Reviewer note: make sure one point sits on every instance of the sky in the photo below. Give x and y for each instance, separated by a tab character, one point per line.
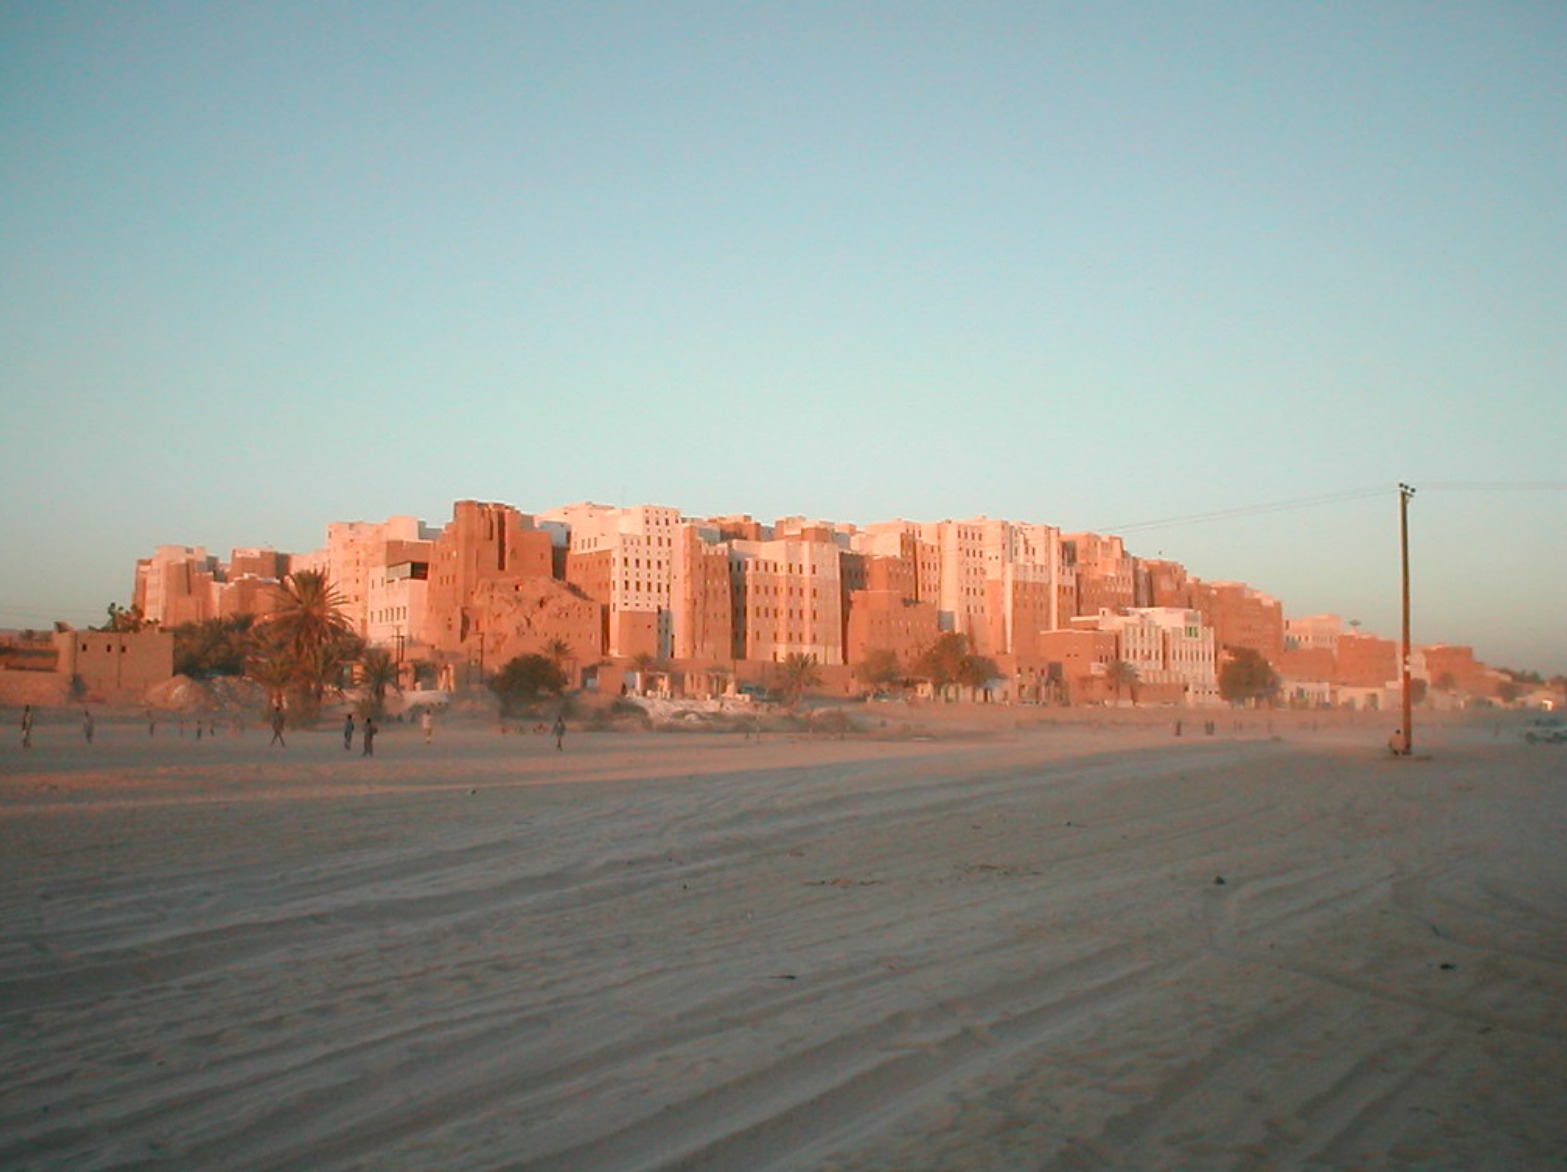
1108	266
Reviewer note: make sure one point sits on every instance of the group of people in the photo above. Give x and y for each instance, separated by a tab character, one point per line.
366	736
27	726
367	732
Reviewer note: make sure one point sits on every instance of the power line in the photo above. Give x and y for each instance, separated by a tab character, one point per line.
1253	510
1495	485
1331	498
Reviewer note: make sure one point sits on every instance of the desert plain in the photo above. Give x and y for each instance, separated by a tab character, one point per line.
957	939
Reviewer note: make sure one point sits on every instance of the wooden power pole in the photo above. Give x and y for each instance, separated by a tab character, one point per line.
1404	493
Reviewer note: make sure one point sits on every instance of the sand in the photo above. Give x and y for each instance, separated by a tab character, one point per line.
1003	945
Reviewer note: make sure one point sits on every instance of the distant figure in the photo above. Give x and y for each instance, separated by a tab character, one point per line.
27	726
277	726
1395	743
348	732
1177	728
427	723
152	724
198	728
369	737
560	732
86	726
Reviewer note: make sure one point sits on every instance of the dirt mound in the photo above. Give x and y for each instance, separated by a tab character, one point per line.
223	694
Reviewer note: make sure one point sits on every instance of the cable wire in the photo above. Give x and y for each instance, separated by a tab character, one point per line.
1253	510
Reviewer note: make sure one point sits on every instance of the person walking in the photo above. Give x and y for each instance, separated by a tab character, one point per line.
277	727
427	724
87	728
560	732
369	736
27	726
348	732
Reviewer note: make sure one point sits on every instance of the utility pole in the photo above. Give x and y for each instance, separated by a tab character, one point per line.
1404	493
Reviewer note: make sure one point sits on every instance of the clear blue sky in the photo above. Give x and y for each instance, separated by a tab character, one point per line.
263	266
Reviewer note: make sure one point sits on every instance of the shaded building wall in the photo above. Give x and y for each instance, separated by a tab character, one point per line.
1366	661
787	600
1444	663
739	528
964	598
175	585
887	620
1020	608
257	562
116	665
1105	576
525	616
641	544
910	554
634	633
1163	583
1307	665
701	599
1077	660
248	596
483	540
1243	617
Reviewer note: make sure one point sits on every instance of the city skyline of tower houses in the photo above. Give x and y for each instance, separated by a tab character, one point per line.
726	588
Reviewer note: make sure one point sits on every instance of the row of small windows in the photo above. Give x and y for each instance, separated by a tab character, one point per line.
773	612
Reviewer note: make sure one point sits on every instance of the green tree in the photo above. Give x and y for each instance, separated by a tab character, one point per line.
273	667
214	647
879	669
560	651
1122	674
947	663
976	672
308	627
377	673
941	664
646	666
797	674
523	680
127	619
1246	677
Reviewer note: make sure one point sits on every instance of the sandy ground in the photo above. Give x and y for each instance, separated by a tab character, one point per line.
1076	945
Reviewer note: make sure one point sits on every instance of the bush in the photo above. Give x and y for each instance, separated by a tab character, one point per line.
522	681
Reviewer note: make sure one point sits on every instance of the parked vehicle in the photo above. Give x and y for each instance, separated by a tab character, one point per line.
1547	729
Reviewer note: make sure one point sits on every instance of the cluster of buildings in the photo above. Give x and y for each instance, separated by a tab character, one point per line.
716	603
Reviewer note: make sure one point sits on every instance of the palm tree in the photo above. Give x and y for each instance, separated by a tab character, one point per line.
378	672
796	674
274	668
560	651
309	626
645	664
1122	674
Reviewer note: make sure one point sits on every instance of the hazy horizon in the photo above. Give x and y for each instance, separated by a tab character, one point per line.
264	267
